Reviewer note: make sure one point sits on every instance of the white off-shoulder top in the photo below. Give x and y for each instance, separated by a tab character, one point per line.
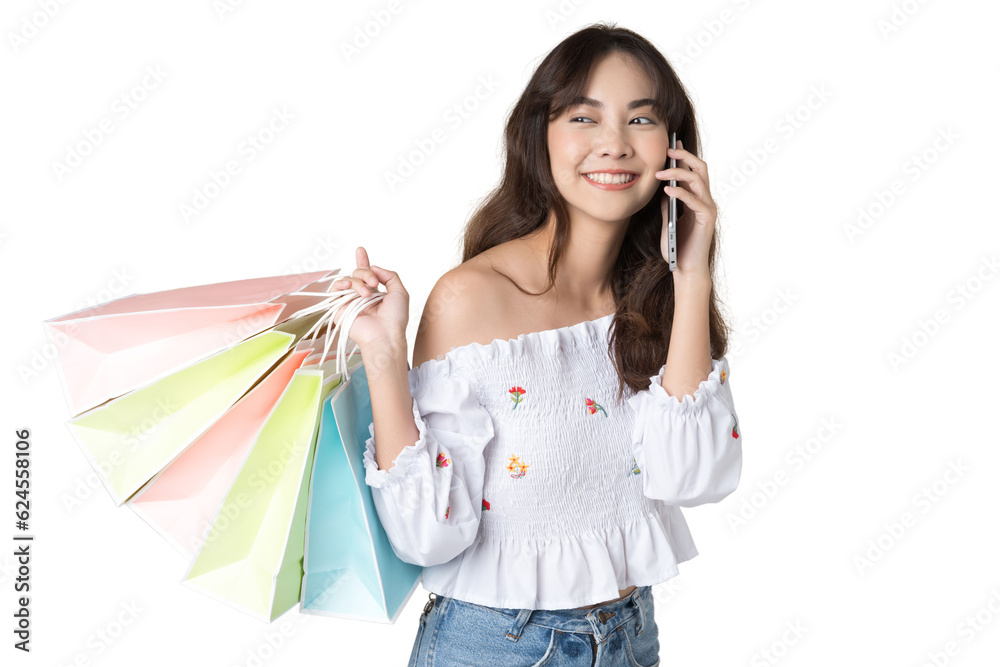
530	488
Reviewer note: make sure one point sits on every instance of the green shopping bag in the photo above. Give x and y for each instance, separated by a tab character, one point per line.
131	438
251	556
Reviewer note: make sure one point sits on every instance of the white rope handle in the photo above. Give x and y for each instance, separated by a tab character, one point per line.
350	315
333	302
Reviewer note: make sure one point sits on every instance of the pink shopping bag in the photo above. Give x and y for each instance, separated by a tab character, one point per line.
181	501
110	349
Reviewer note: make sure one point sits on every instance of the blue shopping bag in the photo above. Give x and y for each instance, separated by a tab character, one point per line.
350	569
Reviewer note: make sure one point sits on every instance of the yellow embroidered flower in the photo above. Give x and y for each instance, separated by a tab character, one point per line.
517	467
635	468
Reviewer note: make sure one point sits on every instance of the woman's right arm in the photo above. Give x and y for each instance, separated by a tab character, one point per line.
427	470
448	309
392	403
380	332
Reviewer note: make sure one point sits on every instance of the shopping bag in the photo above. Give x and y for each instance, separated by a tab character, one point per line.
251	556
182	499
131	438
107	350
350	569
226	474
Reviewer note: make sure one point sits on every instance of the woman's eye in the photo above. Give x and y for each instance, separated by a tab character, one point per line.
649	121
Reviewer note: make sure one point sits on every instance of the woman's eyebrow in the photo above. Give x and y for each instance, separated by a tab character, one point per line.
583	100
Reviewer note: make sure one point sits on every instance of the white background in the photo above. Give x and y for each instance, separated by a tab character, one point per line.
839	99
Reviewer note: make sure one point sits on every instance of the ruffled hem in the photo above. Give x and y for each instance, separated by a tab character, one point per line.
406	463
535	343
567	572
687	404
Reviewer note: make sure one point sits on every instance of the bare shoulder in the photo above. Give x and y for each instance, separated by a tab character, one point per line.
476	303
458	304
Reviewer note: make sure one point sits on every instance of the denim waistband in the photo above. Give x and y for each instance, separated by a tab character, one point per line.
602	621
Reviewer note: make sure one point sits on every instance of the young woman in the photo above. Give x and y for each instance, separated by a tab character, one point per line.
534	460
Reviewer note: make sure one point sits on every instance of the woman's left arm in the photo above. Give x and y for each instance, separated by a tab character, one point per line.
686	438
689	450
689	359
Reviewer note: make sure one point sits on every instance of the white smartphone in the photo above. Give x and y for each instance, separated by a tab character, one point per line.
672	215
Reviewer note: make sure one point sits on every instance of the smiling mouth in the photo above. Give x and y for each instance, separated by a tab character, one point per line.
610	179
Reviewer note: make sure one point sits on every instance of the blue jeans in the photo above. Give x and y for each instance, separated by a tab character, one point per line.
454	632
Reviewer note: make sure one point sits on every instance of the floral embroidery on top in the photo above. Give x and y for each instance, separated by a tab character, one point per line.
515	395
517	467
486	505
722	377
446	511
635	468
736	433
442	462
593	407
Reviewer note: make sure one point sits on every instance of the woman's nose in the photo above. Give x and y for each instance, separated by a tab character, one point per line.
613	142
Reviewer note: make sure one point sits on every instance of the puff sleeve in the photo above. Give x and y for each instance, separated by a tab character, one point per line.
430	501
689	451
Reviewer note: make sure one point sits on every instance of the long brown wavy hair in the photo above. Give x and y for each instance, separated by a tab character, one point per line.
642	283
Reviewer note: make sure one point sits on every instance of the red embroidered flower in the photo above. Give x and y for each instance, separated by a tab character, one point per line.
446	511
735	432
486	505
515	395
442	462
593	407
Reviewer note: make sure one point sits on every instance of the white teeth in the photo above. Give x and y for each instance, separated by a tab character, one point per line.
610	179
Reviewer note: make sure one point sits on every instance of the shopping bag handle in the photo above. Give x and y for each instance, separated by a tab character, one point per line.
353	310
332	303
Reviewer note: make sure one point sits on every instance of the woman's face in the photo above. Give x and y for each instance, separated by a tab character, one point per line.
606	134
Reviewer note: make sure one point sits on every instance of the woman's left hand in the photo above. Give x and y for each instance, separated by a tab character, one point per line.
696	227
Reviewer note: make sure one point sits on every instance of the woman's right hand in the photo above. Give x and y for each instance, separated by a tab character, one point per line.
384	322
